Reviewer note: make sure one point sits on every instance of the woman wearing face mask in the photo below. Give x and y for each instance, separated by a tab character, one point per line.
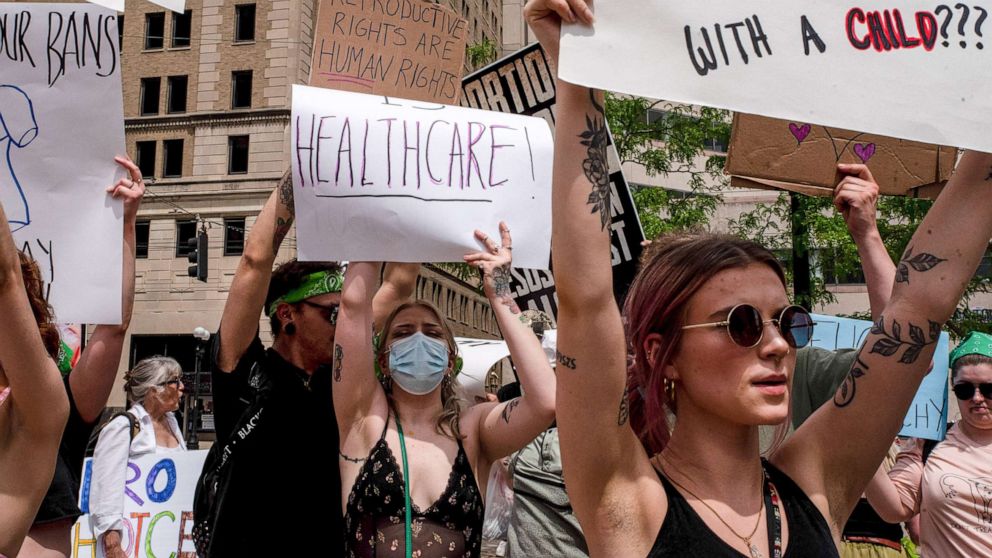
951	487
410	454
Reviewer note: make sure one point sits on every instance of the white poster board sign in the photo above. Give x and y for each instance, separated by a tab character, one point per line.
386	179
61	124
158	507
910	69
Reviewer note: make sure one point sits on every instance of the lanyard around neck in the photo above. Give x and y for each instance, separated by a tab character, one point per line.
406	491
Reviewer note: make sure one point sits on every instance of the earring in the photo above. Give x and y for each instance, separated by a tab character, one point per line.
387	384
290	328
670	390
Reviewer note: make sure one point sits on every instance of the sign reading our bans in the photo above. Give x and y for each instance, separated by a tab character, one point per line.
523	83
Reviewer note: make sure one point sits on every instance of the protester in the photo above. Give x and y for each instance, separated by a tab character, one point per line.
443	449
277	401
33	404
88	387
697	320
952	486
154	388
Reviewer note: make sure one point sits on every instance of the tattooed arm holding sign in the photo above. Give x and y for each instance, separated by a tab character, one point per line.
412	415
713	339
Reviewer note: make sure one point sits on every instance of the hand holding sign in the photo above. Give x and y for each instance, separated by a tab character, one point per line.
856	198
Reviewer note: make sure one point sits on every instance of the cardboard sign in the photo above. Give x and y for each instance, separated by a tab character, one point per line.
61	124
927	416
396	48
158	504
523	83
802	157
387	179
913	69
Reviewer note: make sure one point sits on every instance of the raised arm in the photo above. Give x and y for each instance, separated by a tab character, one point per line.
34	414
896	494
239	322
93	376
600	452
399	280
357	393
506	427
836	452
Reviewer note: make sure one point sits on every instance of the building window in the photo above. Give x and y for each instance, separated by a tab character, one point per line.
172	153
182	25
149	95
145	155
237	154
241	89
154	30
120	31
141	229
234	236
244	23
185	230
177	94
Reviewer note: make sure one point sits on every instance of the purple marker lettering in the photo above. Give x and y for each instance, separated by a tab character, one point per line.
416	152
456	141
321	138
345	136
427	150
308	149
365	147
495	146
389	151
130	493
473	161
530	152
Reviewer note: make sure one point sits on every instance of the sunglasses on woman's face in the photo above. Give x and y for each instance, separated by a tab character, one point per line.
966	390
746	328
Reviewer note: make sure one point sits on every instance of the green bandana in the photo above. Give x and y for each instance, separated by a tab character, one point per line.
315	284
975	343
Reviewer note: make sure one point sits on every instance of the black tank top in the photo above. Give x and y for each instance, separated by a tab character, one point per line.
683	533
375	517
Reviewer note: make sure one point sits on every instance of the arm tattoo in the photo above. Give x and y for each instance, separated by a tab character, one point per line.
624	413
920	262
845	394
286	192
565	360
596	165
282	229
501	287
508	409
890	343
338	362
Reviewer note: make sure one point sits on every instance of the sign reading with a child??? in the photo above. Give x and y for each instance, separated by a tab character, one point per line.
158	507
389	47
389	179
912	69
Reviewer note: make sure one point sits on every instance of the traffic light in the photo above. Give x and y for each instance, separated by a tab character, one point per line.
198	256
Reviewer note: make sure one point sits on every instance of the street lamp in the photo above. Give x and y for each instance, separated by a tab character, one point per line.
193	429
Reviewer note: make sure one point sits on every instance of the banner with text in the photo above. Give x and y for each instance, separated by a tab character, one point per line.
388	179
914	69
61	124
927	416
523	83
398	48
158	507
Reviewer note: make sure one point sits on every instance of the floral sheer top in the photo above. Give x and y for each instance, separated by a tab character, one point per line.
375	517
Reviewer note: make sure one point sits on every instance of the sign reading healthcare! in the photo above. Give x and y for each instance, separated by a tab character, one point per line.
912	69
389	47
927	416
387	179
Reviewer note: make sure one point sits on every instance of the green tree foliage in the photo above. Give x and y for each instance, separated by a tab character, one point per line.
481	53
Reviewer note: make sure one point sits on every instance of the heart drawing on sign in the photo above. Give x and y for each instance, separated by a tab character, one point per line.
864	151
800	132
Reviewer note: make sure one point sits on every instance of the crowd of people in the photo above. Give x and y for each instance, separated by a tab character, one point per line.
640	437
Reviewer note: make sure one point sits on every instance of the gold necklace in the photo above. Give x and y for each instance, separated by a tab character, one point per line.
752	548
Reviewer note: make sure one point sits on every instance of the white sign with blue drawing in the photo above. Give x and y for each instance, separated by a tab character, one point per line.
927	416
61	124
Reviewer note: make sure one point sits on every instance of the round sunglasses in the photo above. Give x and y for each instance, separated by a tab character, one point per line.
746	328
966	390
330	311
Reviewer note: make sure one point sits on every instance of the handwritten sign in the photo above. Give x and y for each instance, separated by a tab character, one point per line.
387	179
523	83
398	48
913	69
158	504
61	124
927	416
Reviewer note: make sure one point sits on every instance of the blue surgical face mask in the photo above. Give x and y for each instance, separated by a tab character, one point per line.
417	363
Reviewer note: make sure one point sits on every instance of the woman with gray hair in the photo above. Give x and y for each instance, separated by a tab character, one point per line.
154	389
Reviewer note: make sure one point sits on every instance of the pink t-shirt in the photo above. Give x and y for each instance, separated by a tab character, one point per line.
952	493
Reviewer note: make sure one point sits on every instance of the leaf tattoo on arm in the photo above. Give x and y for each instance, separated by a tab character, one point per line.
891	342
596	166
508	409
921	262
845	393
338	362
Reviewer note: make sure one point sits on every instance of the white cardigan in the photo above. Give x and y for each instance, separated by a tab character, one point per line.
113	450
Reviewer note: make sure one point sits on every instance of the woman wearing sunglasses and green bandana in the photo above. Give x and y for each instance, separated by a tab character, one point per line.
951	488
708	492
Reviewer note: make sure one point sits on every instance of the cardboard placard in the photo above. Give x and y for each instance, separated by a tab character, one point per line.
396	48
801	157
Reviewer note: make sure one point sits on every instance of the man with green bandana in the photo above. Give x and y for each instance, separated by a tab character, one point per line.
280	494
